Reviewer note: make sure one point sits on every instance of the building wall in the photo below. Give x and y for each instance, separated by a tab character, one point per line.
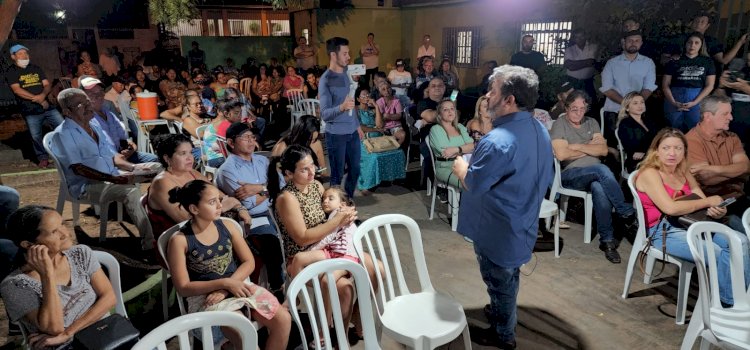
143	40
366	17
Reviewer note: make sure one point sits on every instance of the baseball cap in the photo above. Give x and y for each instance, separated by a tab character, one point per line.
17	47
233	81
237	129
399	62
87	82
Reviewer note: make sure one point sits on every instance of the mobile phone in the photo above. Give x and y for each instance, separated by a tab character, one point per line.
726	202
454	95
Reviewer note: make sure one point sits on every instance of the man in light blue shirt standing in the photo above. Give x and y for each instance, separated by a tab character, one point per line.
622	74
343	133
504	185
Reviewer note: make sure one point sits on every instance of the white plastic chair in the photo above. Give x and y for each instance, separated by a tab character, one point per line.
588	201
549	210
425	319
112	269
204	167
454	193
310	106
144	141
726	328
181	326
652	254
623	156
295	96
310	276
601	120
746	221
64	195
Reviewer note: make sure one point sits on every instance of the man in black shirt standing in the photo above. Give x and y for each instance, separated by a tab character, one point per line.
31	88
527	57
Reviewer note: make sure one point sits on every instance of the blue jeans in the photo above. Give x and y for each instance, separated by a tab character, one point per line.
344	154
502	286
677	246
9	201
683	120
35	122
605	192
142	157
260	123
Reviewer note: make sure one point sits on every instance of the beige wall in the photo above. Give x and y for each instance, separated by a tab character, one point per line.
385	22
143	39
399	31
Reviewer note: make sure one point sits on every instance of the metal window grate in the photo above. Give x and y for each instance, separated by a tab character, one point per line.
551	38
462	45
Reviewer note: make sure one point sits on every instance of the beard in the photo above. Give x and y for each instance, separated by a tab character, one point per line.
631	49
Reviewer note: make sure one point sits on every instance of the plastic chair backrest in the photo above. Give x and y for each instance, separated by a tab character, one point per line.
110	264
310	106
180	327
556	181
375	236
623	155
245	84
601	120
295	96
47	143
66	82
700	238
640	236
746	221
432	156
311	276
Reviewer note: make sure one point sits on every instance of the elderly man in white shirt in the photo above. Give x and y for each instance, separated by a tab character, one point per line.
622	74
579	63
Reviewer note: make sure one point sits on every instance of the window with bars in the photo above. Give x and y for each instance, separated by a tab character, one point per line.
551	38
462	45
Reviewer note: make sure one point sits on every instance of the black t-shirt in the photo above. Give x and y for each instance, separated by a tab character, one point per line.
422	106
532	60
30	79
690	72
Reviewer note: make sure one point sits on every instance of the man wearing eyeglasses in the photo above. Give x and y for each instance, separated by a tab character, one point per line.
93	168
244	176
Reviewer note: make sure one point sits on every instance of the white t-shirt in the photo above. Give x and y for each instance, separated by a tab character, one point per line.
397	78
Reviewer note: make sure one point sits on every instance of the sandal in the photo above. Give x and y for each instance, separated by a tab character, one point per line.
564	225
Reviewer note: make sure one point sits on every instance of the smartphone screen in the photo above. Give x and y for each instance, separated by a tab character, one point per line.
726	202
454	95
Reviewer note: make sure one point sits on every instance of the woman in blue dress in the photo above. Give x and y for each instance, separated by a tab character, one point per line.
380	166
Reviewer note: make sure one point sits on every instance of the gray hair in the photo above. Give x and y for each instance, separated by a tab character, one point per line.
710	104
65	96
522	83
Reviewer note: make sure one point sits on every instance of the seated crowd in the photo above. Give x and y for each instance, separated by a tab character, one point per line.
289	220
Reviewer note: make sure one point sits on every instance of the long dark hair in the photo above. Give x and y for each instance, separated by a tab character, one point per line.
188	195
303	131
23	225
287	162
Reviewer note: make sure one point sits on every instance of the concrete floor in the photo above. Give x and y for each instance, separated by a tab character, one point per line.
571	302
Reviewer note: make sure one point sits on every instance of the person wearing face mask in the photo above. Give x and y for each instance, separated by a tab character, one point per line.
31	87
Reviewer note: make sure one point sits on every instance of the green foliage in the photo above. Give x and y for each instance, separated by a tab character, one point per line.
660	20
550	78
171	12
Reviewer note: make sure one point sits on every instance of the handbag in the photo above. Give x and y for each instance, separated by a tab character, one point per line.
380	144
110	333
699	215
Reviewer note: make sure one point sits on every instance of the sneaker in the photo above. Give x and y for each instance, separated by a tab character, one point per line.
610	252
468	239
488	337
43	164
442	195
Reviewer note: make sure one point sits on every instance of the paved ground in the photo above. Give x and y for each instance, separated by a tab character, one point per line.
571	302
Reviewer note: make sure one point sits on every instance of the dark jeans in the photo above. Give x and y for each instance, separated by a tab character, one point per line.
502	286
606	194
142	157
344	154
266	240
369	76
610	124
9	201
36	122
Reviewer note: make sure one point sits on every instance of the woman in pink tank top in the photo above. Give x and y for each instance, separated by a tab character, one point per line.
664	176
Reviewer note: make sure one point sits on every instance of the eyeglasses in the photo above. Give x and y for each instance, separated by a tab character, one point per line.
578	110
246	138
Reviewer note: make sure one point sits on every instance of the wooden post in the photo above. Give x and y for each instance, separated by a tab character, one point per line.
264	30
